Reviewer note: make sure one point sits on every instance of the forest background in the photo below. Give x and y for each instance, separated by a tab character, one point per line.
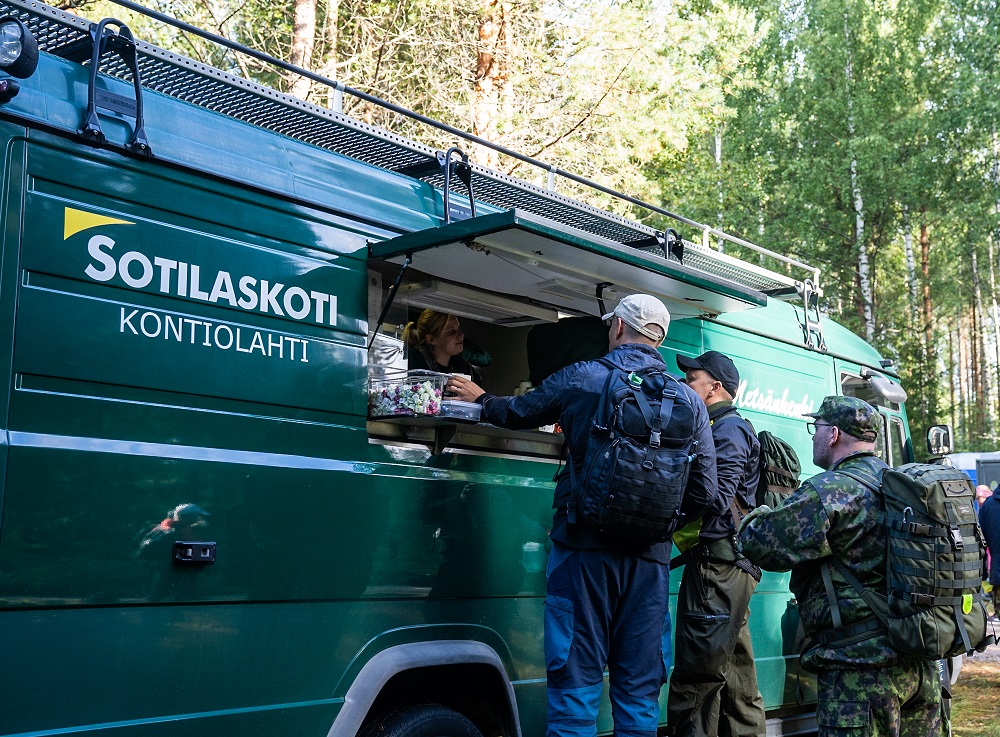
859	136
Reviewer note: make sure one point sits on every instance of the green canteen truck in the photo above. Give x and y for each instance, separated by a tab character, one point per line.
204	528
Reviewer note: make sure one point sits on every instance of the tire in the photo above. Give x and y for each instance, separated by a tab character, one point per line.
430	720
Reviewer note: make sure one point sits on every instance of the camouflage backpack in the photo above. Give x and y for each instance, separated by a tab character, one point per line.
935	563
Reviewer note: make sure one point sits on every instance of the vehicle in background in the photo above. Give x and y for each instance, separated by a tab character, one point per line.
982	467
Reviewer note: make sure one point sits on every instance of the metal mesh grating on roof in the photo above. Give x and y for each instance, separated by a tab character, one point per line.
696	257
197	84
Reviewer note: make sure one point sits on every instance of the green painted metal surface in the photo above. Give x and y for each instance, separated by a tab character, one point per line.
186	353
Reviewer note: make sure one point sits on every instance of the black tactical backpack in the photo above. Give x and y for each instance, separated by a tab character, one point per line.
935	563
634	473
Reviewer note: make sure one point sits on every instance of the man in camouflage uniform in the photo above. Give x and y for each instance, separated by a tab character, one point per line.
864	686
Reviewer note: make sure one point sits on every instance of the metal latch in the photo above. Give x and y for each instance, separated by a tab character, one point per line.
193	553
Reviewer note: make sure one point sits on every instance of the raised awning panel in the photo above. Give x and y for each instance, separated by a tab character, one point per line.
516	253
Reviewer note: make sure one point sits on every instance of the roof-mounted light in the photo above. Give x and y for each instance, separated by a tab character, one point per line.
18	48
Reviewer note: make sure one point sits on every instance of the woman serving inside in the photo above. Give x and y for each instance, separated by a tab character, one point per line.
436	342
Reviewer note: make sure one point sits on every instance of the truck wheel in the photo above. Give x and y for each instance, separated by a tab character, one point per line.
430	720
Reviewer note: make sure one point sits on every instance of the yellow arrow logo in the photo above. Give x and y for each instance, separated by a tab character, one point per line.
76	220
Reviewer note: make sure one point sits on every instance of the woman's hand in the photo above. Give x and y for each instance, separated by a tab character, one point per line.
465	390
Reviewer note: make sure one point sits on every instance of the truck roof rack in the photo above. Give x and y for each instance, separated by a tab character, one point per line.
63	34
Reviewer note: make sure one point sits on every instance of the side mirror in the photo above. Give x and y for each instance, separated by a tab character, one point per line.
939	440
888	389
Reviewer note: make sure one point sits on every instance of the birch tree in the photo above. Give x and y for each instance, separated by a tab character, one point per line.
303	41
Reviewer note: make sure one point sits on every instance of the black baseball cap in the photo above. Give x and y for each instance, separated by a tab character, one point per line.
718	365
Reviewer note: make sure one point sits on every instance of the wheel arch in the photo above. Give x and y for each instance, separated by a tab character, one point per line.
463	675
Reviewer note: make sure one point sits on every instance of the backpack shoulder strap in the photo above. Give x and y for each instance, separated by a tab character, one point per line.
869	627
875	484
603	416
877	603
860	479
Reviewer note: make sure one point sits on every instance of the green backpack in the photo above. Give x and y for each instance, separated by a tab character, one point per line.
935	563
779	469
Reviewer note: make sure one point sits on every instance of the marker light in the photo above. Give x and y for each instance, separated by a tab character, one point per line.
18	48
8	90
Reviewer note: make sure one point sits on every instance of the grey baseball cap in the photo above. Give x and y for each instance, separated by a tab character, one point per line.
639	310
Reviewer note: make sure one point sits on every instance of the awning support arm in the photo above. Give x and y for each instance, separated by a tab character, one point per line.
392	295
600	296
673	245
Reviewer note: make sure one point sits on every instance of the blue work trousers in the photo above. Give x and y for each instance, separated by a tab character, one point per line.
604	608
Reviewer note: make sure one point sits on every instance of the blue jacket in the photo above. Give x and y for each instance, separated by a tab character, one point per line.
989	520
737	458
570	397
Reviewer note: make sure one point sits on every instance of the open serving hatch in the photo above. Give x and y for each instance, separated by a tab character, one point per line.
545	263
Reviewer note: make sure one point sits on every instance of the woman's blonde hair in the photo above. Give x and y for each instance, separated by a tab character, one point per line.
430	322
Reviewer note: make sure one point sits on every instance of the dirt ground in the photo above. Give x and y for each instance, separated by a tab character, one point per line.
975	710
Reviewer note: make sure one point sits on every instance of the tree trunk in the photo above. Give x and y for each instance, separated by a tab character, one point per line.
962	364
925	272
719	219
911	266
995	141
303	40
864	277
492	92
994	375
984	404
328	67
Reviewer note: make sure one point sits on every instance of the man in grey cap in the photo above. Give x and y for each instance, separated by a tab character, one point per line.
713	688
864	686
606	600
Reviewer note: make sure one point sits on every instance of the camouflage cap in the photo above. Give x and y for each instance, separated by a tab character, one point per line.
852	415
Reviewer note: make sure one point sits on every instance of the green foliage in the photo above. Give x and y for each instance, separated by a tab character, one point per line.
765	119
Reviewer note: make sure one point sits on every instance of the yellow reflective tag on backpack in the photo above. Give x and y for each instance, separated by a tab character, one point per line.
966	603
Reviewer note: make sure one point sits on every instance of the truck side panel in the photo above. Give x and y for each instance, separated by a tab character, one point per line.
143	411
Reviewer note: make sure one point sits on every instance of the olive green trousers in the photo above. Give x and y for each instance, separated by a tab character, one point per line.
713	687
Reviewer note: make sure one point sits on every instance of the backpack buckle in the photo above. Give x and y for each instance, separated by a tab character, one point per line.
922	599
957	542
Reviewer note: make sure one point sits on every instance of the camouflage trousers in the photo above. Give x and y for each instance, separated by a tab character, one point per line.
896	701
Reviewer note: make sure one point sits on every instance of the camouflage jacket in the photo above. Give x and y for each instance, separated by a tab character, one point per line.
830	514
